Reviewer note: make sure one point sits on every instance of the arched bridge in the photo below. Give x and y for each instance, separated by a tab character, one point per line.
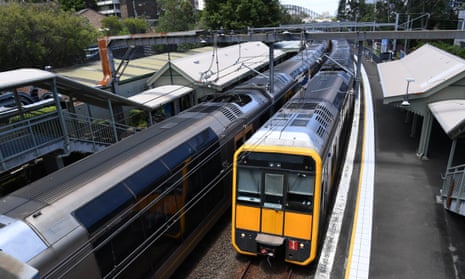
298	10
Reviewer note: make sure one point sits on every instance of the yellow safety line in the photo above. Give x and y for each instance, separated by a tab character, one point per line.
354	226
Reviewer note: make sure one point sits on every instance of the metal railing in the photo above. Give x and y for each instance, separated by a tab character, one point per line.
453	192
30	138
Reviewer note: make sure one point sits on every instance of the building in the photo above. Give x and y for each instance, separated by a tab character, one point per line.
109	8
94	17
147	9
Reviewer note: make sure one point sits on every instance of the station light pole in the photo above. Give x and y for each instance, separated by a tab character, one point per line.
405	102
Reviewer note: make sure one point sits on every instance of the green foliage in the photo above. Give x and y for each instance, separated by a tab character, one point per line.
72	5
135	25
32	114
240	14
38	35
426	14
138	118
454	49
176	15
112	25
287	18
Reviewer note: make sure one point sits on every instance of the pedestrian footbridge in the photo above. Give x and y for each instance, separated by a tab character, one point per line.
73	118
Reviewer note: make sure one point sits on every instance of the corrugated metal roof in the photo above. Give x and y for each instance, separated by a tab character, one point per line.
91	73
428	66
225	64
221	66
23	77
156	97
451	116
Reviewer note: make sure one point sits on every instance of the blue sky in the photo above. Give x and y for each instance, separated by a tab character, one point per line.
319	6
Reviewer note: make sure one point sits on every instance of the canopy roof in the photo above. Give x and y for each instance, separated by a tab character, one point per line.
429	68
11	80
156	97
434	79
451	116
222	66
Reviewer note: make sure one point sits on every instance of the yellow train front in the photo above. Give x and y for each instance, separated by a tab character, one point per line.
284	174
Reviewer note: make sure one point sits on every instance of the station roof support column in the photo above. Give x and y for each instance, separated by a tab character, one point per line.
422	151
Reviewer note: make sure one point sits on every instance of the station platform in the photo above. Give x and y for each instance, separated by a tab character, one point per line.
394	225
413	236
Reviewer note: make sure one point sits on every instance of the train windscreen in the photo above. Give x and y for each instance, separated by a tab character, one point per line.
276	180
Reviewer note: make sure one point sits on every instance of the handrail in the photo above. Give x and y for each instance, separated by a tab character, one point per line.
39	135
453	189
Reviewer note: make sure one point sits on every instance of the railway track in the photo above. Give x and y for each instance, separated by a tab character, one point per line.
255	269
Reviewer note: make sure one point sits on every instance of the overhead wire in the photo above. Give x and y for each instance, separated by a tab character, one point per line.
83	251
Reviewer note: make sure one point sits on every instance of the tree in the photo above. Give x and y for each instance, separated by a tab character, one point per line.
112	25
427	13
38	35
135	25
175	15
240	14
287	18
76	5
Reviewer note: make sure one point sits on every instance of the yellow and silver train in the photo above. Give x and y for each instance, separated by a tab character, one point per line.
284	174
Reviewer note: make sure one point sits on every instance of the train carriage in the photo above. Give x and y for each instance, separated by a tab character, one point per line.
139	207
284	174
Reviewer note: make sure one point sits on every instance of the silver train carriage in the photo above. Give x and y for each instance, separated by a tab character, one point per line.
139	207
284	174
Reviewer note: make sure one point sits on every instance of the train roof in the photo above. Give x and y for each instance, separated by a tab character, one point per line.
105	169
287	71
307	119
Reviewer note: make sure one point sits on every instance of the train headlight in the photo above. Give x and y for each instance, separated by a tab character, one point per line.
242	235
302	246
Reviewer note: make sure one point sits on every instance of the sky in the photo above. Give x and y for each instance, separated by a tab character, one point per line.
319	6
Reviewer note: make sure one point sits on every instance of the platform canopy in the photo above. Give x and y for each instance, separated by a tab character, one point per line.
451	116
217	69
429	82
158	96
429	70
13	79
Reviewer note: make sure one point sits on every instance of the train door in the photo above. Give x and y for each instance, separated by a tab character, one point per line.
272	215
324	193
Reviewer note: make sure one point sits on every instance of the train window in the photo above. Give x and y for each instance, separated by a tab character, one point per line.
99	210
202	140
274	185
190	147
300	191
144	179
177	155
301	183
248	184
